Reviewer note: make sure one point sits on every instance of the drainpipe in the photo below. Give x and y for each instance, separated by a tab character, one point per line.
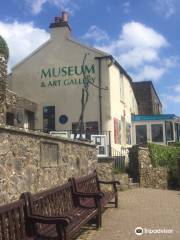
100	97
100	90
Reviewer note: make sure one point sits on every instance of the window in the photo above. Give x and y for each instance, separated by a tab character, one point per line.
169	131
49	118
29	120
128	133
157	132
117	131
177	131
141	134
9	119
121	87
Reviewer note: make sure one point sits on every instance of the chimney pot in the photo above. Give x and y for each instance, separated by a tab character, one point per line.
57	19
64	16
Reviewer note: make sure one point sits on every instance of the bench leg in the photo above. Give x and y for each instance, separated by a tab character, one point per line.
99	218
116	200
61	233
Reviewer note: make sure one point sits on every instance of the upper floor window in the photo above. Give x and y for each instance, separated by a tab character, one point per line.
121	87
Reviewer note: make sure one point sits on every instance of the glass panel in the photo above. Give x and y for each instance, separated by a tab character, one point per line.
91	129
157	132
141	134
9	119
49	118
169	131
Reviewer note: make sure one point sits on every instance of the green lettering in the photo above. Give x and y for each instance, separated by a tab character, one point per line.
66	82
64	71
56	72
43	84
70	71
50	84
89	69
46	73
76	70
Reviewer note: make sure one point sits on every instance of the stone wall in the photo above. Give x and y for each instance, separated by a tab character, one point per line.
3	77
178	171
24	166
17	105
148	176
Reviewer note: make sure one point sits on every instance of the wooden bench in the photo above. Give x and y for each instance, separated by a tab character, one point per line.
12	222
90	184
63	215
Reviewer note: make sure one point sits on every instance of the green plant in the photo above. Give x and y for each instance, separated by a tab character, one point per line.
166	156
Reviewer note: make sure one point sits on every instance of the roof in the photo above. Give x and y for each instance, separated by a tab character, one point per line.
138	118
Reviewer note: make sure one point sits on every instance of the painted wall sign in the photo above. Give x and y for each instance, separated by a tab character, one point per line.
67	75
63	119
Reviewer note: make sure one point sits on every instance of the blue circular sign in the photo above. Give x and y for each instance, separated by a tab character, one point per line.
63	119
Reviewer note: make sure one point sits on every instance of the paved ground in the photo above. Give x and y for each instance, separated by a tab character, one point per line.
146	208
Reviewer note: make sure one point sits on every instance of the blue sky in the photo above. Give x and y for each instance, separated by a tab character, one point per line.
142	35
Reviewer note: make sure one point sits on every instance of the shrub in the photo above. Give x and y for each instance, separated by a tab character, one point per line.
165	156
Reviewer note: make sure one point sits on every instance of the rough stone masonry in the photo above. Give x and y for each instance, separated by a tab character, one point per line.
33	161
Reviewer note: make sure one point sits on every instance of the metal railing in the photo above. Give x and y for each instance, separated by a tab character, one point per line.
119	158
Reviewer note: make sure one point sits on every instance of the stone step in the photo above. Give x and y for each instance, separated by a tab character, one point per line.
133	185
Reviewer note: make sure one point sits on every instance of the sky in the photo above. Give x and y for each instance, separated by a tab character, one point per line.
142	35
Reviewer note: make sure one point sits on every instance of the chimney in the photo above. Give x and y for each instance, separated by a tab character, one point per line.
61	21
57	20
64	16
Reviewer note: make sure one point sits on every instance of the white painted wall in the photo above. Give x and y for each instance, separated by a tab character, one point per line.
61	51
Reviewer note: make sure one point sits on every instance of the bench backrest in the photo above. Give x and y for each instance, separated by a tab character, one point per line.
87	184
12	223
51	202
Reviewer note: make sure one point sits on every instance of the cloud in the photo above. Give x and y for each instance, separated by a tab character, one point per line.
137	44
126	7
95	33
68	5
149	72
172	98
22	39
165	7
138	48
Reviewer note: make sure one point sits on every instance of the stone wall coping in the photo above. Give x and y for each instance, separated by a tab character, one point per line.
43	135
105	159
143	148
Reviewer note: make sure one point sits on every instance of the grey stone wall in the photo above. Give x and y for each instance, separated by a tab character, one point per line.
17	105
178	171
141	169
22	166
3	77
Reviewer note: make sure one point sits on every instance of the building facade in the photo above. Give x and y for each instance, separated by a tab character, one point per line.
162	129
14	110
54	76
147	98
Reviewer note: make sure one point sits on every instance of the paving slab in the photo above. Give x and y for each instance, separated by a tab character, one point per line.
157	212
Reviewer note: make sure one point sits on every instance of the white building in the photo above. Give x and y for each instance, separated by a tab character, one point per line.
52	76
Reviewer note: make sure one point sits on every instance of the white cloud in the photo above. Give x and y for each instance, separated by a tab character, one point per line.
96	34
173	98
68	5
149	72
126	7
22	39
165	7
138	49
177	88
137	44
